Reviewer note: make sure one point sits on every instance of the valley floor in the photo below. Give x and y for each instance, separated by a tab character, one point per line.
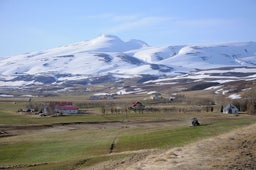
233	150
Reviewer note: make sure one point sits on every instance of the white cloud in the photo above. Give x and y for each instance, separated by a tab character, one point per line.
114	23
133	22
124	18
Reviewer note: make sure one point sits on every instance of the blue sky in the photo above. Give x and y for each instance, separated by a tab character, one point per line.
34	25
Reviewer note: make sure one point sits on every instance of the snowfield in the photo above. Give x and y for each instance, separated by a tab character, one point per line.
109	55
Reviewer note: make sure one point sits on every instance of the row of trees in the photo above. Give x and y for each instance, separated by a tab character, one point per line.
250	98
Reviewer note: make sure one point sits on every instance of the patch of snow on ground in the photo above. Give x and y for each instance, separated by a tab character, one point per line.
221	81
247	89
221	91
245	70
6	95
28	95
159	80
234	96
213	87
152	92
136	91
15	83
171	83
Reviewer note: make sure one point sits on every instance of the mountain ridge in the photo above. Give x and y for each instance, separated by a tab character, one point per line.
109	55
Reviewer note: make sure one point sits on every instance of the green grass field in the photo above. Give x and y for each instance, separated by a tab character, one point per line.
68	147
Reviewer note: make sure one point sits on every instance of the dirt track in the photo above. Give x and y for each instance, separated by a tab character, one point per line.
234	150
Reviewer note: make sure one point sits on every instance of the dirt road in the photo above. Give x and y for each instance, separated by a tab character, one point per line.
234	150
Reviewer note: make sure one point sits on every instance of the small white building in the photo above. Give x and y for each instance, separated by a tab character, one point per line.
156	96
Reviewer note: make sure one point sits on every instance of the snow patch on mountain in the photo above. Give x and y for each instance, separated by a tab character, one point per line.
155	54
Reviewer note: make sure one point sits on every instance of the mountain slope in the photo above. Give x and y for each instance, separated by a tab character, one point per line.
213	56
78	58
108	55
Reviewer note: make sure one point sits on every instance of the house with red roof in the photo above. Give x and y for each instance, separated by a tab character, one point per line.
65	108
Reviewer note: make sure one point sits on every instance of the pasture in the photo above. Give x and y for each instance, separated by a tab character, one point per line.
80	141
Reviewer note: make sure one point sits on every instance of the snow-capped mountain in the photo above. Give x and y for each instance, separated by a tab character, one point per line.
213	56
109	57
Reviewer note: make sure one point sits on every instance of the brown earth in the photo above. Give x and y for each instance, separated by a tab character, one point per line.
12	130
235	150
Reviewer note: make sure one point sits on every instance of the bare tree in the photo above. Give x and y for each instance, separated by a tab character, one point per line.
251	101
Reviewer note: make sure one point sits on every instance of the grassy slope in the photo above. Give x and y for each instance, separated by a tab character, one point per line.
170	137
65	149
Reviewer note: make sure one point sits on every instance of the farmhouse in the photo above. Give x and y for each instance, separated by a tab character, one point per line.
156	96
137	106
230	109
64	108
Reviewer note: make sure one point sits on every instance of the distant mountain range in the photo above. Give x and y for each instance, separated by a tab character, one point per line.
108	58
